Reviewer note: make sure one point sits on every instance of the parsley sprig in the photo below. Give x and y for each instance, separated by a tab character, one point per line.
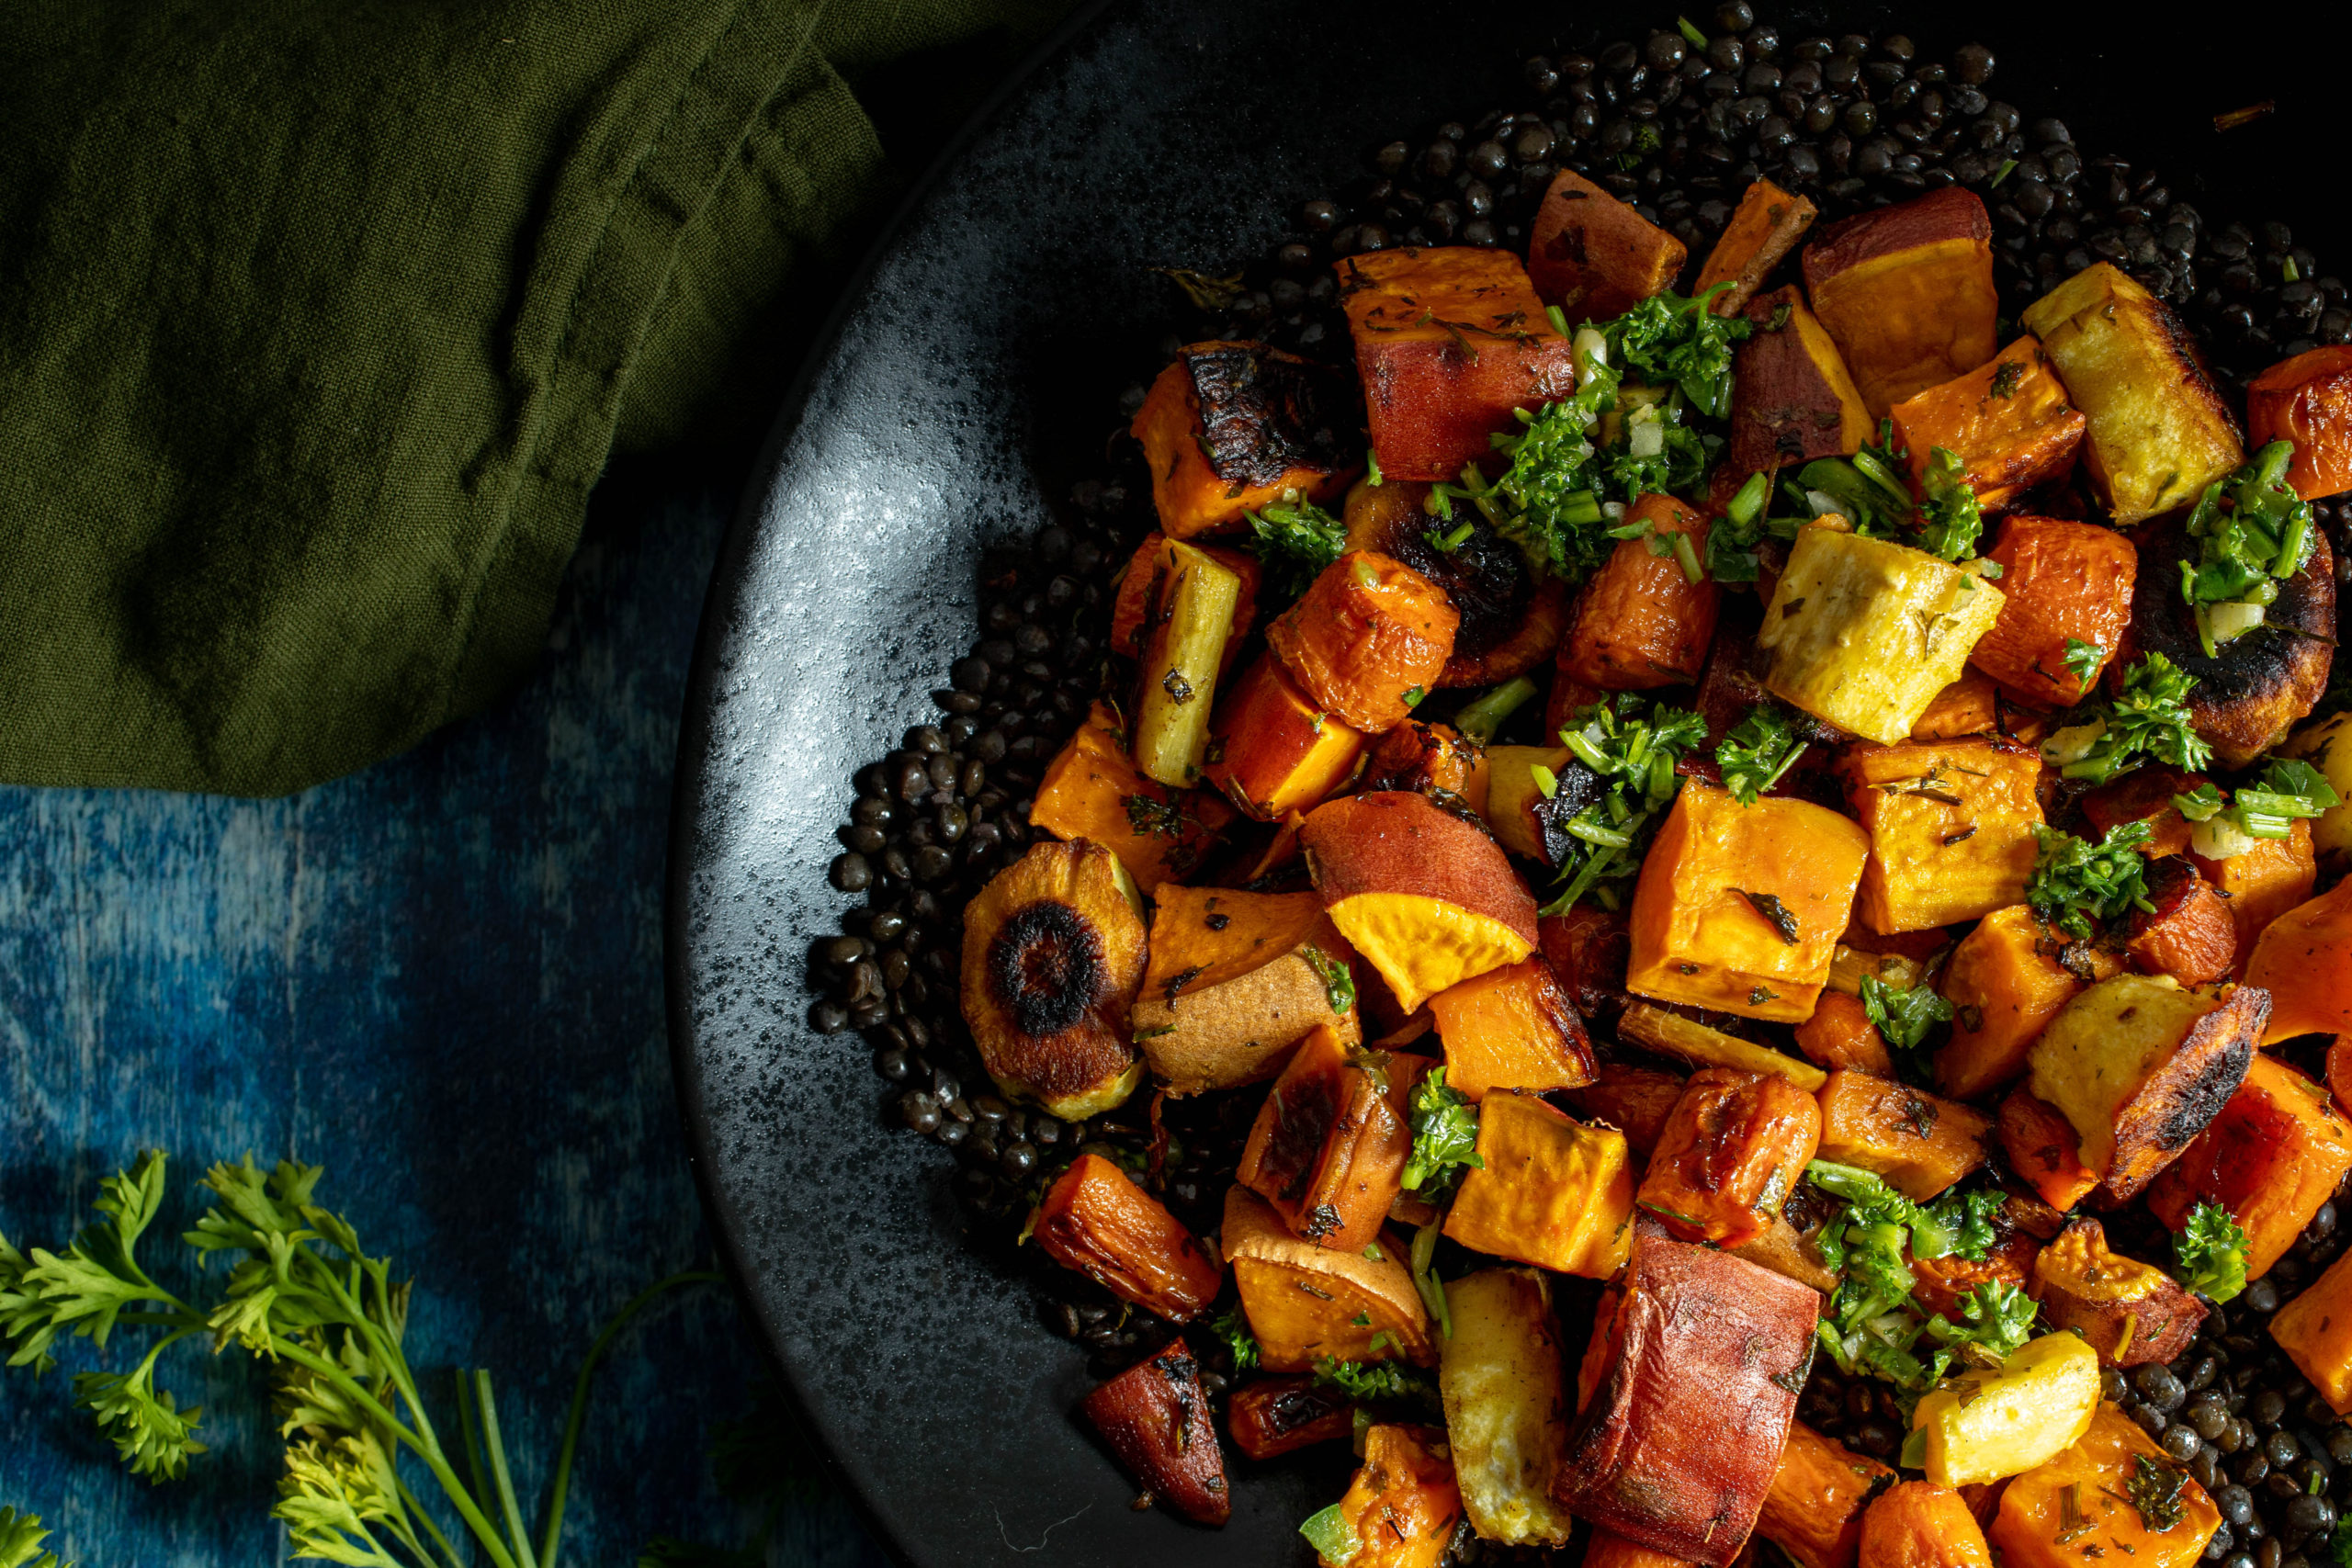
1296	539
2149	719
1903	1017
1868	490
20	1538
2209	1253
1232	1326
1669	337
2252	533
1632	747
1872	1324
1377	1382
2079	887
1756	753
1445	1136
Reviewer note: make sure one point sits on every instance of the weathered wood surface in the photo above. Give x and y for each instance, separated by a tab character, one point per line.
441	980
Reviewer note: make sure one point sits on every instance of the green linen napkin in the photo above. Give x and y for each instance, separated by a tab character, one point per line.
320	318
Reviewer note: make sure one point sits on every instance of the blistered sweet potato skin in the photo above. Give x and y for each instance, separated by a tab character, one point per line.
1814	1510
2032	1530
1593	256
1793	399
1272	749
1403	1503
2061	581
2008	422
1091	790
1920	1525
1636	1100
1156	1418
2264	883
1919	1143
2005	984
1512	1028
1707	1345
1329	1143
1273	1416
1733	1147
1640	622
1190	497
2044	1148
2303	958
1366	639
1763	230
1553	1192
1952	826
1840	1034
1606	1550
1096	1220
1907	293
1449	342
2188	933
2316	1331
2307	399
2128	1311
2272	1156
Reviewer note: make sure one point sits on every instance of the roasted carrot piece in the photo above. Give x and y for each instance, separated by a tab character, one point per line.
1840	1034
1641	621
1141	583
1814	1511
1367	640
2307	399
1919	1143
2007	422
1096	1220
2062	583
1091	790
2271	1158
1792	398
2264	883
1273	1416
1587	948
1920	1525
1733	1147
1272	749
1156	1418
1763	230
1328	1148
1593	256
1512	1028
2186	932
2303	959
1402	1506
1944	1283
1230	427
1434	759
2044	1149
1907	291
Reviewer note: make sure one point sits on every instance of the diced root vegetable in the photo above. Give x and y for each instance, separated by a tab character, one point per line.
1907	293
1180	663
2033	1408
1303	1301
1814	1511
1640	622
1514	1028
2062	583
1271	750
1499	1376
1675	1035
1792	397
1265	407
1919	1143
2303	959
1551	1191
2005	984
2078	1502
2316	1331
1734	1145
1096	1220
2044	1148
1401	1508
2130	1311
1329	1143
1763	230
1952	826
1155	1417
2007	424
1236	981
1367	640
2275	1153
1593	256
1920	1525
2307	399
1092	790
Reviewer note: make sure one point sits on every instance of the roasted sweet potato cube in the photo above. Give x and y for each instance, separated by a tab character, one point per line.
1763	230
1272	1417
1500	1375
1305	1302
1840	1034
1511	619
2007	422
1145	579
1707	1346
1329	1143
1636	1100
1553	1192
2186	932
1432	759
1450	343
2139	1065
1512	1028
1096	1220
2005	983
1967	706
2128	1311
2061	583
2315	1330
1907	293
1814	1510
1091	790
1231	426
2304	960
2159	432
2044	1149
1920	1525
1952	826
2077	1507
2264	883
1641	622
1733	1147
1156	1418
1235	981
1593	256
1738	906
1587	948
2272	1156
1401	1508
1367	640
2146	794
1919	1143
2307	399
1272	749
1791	398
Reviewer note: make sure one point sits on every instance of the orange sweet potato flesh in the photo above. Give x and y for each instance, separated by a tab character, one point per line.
1635	1100
1273	1416
2006	984
1272	749
1260	441
1608	1551
1907	294
1707	1346
1967	706
1367	640
1330	1142
2044	1148
2271	1158
1156	1418
1450	343
1402	1503
1919	1143
1732	1148
1920	1525
2264	883
1593	256
1793	399
1552	1192
2144	795
1814	1510
1641	622
1512	1028
1840	1034
2059	581
2036	1528
1141	584
2307	399
2130	1313
1093	791
2008	423
1763	232
1096	1220
1433	760
2315	1330
2188	933
2303	959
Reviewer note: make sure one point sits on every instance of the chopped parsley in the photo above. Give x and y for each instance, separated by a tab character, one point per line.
2079	887
1868	490
2083	660
1903	1017
1233	1327
1149	814
2268	807
2154	1490
1376	1382
1733	538
1445	1136
1668	337
2244	551
1632	746
1759	749
2209	1253
1339	980
2149	719
1872	1324
1296	539
2005	379
1949	519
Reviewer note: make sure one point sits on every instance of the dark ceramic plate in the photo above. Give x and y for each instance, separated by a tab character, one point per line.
956	402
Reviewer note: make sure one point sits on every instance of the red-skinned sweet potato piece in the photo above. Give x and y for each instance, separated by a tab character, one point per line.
1230	427
2060	582
1707	1345
1792	398
1641	622
1156	1418
1906	292
2188	933
2307	399
1512	1028
1593	256
1814	1510
1587	948
2130	1311
1096	1220
1763	230
1273	1416
1272	749
2044	1149
2272	1156
1367	640
2007	422
1732	1148
1330	1140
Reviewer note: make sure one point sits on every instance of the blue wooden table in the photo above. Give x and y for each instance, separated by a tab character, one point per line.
441	980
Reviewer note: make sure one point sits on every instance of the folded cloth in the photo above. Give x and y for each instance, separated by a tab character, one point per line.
318	322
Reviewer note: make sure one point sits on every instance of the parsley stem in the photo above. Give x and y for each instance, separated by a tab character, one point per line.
496	1450
416	1506
1482	719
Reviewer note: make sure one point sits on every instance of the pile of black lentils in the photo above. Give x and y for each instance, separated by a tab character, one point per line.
1679	130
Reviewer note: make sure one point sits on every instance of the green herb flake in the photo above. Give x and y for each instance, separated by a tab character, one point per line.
1296	539
1339	980
1758	752
2078	887
1445	1136
2209	1253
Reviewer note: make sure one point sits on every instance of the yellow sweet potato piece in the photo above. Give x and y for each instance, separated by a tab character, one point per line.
1952	826
2005	984
1987	1424
1499	1376
1907	293
1919	1143
2327	746
1144	582
1553	1192
1763	230
2008	422
1183	650
1303	1301
2075	1507
1235	981
1814	1511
